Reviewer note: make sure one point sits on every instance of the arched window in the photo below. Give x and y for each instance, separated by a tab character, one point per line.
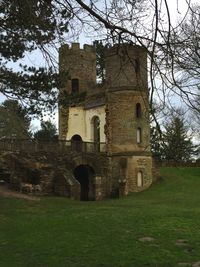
75	86
96	131
139	179
139	135
138	110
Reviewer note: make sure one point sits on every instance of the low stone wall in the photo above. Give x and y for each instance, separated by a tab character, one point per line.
61	146
50	173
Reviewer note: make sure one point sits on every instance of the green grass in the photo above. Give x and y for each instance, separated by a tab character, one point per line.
60	232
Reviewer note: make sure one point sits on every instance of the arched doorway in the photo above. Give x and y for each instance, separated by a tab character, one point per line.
76	142
85	175
96	132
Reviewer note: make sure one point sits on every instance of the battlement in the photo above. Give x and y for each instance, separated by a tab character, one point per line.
125	46
125	67
76	47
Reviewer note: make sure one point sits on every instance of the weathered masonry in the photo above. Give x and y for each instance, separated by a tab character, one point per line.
112	118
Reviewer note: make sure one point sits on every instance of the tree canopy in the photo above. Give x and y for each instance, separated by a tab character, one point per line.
175	142
177	145
26	26
48	132
14	121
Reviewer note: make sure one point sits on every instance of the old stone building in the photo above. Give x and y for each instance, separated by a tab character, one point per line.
107	124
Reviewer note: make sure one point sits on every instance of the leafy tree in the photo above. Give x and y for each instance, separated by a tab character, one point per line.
48	132
26	26
177	146
14	120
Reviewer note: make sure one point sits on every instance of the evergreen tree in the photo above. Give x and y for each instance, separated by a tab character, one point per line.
43	25
156	143
48	132
14	120
26	26
177	146
100	59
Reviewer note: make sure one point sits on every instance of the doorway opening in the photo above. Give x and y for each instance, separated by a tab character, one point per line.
76	142
85	175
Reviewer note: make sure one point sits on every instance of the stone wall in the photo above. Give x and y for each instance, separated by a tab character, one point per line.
124	174
51	173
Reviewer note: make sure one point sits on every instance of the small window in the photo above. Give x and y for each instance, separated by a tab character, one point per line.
139	135
75	86
138	110
137	66
139	179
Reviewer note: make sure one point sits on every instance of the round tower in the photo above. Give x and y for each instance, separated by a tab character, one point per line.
126	67
127	116
127	99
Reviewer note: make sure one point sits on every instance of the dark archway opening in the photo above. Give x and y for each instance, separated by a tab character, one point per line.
96	132
85	175
33	176
76	142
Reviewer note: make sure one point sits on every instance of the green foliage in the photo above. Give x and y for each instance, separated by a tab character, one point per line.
177	145
42	25
36	87
48	132
24	27
14	120
173	143
32	24
100	59
58	232
156	143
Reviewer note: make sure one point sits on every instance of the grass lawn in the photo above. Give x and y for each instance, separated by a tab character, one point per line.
58	232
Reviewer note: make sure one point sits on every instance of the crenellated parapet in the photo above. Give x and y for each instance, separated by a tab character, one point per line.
76	46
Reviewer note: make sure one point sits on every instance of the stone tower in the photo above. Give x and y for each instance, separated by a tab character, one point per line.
78	69
111	122
79	66
127	118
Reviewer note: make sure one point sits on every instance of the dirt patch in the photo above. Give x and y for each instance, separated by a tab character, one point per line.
6	192
181	242
146	239
184	264
196	264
